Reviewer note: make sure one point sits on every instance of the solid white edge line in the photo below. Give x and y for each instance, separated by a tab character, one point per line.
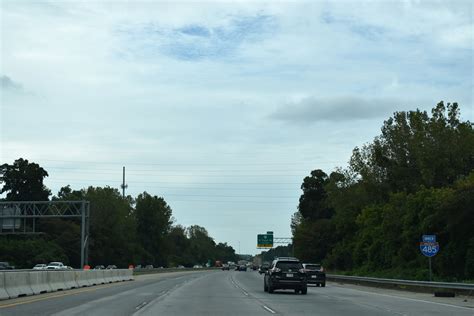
269	309
414	299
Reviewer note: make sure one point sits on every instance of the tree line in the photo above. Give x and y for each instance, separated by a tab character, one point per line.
123	231
415	178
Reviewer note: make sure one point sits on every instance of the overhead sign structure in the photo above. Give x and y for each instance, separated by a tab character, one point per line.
265	241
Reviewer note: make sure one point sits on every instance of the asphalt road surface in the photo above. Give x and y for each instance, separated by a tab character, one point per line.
229	293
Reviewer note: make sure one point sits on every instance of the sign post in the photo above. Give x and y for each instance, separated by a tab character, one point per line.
429	248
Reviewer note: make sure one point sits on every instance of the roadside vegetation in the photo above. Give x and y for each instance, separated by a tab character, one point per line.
415	178
138	230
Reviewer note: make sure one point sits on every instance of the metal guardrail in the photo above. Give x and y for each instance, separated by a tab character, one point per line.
421	284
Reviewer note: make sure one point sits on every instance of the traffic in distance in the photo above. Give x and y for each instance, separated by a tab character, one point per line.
57	265
285	273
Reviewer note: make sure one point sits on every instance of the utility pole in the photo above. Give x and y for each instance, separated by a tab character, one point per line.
123	186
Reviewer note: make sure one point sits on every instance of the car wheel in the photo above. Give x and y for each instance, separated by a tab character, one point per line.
323	284
270	289
265	287
296	291
304	290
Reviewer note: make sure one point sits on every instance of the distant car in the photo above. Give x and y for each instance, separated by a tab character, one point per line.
263	268
40	266
315	273
99	267
56	265
254	267
225	267
285	273
242	267
149	266
197	266
111	266
180	267
6	266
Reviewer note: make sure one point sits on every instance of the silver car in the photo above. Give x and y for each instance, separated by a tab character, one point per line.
40	266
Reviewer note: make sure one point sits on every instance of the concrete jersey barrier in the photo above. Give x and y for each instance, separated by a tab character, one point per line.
39	282
128	275
56	280
108	276
116	275
100	277
83	278
3	293
70	279
93	279
17	284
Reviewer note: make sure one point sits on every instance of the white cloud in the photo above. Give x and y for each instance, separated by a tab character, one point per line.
338	109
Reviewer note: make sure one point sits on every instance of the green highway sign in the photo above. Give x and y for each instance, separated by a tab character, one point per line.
265	241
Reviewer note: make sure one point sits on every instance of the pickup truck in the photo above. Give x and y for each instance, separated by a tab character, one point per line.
56	266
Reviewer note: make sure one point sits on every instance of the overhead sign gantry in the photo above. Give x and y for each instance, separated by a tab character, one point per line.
19	218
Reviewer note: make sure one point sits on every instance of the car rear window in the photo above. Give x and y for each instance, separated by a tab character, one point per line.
313	266
288	265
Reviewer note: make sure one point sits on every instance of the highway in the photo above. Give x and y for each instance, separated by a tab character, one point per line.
228	293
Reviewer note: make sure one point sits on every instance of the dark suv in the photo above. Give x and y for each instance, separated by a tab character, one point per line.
315	273
285	273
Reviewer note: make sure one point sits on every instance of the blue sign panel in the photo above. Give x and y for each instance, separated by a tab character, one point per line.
429	238
429	249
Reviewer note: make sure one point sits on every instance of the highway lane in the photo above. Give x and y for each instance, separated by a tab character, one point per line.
229	293
241	293
345	300
123	298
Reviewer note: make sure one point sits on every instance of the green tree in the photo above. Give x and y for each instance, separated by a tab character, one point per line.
313	200
178	246
153	218
112	229
225	253
24	252
202	246
280	251
312	225
416	150
415	178
23	181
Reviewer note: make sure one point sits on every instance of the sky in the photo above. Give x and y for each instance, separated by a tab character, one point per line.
221	108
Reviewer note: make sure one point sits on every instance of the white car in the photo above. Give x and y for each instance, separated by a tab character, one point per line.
56	266
40	266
